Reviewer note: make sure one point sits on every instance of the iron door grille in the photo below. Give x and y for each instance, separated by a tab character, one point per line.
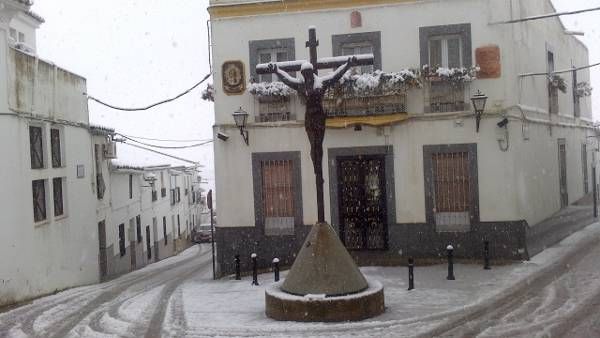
278	197
363	212
452	190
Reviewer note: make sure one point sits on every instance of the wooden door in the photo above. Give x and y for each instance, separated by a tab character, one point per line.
562	173
102	259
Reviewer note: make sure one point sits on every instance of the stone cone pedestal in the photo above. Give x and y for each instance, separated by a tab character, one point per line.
324	284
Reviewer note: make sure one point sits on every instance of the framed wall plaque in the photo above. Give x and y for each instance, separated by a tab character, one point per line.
234	82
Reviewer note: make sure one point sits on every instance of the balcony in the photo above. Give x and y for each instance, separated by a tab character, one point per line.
445	97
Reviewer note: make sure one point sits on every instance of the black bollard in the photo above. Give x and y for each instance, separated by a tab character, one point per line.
237	267
254	270
486	255
276	268
450	249
411	275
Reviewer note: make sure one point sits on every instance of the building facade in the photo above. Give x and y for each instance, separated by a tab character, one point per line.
408	168
70	214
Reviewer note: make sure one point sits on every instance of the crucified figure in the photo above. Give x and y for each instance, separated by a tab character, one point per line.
312	88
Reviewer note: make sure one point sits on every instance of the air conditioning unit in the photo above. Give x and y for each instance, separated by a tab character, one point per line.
110	150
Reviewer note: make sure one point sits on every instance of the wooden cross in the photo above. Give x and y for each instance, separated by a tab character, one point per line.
323	63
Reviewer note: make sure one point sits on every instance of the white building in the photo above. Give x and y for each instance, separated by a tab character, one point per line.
48	205
409	157
69	216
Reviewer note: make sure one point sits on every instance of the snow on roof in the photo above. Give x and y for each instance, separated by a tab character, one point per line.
97	129
35	16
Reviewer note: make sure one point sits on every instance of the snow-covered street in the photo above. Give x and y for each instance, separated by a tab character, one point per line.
177	297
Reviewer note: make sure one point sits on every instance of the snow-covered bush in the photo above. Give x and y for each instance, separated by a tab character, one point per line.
265	89
583	89
454	75
556	81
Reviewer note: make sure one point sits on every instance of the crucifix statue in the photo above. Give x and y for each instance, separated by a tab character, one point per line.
312	88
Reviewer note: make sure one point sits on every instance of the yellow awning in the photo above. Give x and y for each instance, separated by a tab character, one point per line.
374	120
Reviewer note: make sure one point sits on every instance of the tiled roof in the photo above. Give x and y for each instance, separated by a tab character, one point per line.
35	16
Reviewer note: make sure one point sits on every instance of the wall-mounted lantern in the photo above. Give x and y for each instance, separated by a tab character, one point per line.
479	101
241	117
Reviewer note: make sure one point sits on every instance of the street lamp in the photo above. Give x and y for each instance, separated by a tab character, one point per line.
240	117
479	101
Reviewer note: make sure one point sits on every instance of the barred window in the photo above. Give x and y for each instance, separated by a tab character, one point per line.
39	200
36	147
278	196
122	249
451	193
55	146
57	192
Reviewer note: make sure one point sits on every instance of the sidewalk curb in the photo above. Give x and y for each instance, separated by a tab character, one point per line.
473	311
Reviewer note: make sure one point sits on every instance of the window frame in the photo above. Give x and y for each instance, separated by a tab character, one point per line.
445	60
254	47
463	30
44	194
57	162
338	42
257	160
428	152
62	204
43	143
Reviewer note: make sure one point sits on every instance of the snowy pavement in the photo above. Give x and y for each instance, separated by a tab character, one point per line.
556	294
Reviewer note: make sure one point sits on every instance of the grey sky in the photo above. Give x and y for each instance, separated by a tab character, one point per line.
136	52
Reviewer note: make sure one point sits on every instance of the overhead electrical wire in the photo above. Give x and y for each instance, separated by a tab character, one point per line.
152	105
165	140
164	154
545	16
166	147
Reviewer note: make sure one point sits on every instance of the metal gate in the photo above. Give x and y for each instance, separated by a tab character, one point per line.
362	202
102	260
562	172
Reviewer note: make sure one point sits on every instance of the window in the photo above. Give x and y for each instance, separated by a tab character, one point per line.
359	43
55	147
138	228
57	192
445	51
178	227
39	200
36	147
130	186
277	191
122	239
100	187
163	190
13	34
165	229
576	100
357	49
21	37
274	50
271	55
552	90
451	181
446	45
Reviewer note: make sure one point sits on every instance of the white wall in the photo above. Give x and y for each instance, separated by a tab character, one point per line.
61	251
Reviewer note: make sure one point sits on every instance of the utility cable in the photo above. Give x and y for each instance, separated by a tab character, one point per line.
164	140
164	154
152	105
166	147
545	16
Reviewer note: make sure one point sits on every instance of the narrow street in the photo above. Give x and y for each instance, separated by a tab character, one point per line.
134	305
